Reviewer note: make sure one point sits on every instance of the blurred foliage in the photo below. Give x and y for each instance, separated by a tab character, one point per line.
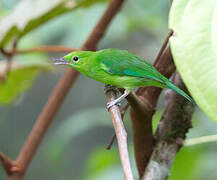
74	147
100	160
73	127
198	69
186	164
21	76
29	14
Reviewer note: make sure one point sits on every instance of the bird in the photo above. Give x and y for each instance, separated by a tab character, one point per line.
119	68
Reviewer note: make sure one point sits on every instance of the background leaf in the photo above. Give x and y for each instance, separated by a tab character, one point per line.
29	14
194	47
21	76
185	164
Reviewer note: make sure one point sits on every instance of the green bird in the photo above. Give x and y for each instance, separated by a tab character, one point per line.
119	68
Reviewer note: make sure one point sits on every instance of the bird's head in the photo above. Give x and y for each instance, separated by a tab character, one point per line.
75	59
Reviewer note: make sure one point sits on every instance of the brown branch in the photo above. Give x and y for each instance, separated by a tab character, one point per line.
9	165
142	120
120	134
163	47
109	146
171	132
142	131
9	58
40	49
102	25
165	66
123	111
8	68
63	86
143	139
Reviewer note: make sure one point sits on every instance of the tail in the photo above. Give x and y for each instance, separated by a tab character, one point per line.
179	91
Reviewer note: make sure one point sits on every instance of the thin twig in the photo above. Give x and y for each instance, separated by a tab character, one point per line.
42	49
120	134
58	95
200	140
108	147
163	47
9	58
123	111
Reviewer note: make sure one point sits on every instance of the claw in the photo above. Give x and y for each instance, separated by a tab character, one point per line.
109	87
110	104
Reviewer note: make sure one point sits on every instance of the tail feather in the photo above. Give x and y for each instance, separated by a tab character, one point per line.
179	91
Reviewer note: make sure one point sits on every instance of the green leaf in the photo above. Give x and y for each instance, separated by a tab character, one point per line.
29	14
156	119
186	164
104	164
193	46
21	76
111	172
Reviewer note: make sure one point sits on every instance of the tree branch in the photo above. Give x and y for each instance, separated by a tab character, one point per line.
142	131
163	47
141	118
9	58
9	166
63	86
41	49
120	134
173	126
123	111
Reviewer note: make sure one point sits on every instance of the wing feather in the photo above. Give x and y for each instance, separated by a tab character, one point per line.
127	64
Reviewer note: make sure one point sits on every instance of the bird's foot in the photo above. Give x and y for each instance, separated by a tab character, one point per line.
109	88
112	103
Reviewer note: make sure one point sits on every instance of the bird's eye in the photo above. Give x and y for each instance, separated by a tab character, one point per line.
75	58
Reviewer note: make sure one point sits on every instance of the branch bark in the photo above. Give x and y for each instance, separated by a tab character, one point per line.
123	111
173	126
120	134
142	131
9	165
62	88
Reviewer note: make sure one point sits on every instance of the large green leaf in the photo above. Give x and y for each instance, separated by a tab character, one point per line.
21	76
29	14
186	164
194	46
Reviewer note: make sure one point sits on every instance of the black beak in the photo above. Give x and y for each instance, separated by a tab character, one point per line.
60	61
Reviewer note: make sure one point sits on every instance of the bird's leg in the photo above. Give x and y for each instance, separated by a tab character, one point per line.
119	99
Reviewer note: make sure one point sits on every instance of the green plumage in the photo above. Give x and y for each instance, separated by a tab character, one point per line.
119	68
